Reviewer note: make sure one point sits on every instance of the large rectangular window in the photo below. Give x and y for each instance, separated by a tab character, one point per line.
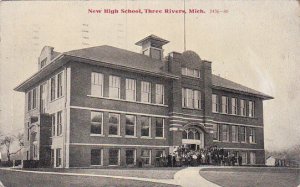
97	84
114	124
59	123
130	125
215	103
58	157
114	87
59	85
242	107
191	98
113	157
130	156
234	133
96	157
53	124
146	92
159	94
130	89
43	98
244	157
145	126
190	72
96	122
225	133
52	88
243	134
225	104
29	100
216	131
234	106
146	156
34	98
251	109
252	135
159	127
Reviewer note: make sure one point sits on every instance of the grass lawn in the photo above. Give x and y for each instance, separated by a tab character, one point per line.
256	177
152	173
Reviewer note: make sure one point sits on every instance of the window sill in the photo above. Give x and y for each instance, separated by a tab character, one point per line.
235	142
56	99
234	115
127	136
145	137
160	138
192	108
124	100
96	165
252	142
216	141
99	135
190	77
244	142
114	136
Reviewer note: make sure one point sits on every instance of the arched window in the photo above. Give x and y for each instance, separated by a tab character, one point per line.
191	134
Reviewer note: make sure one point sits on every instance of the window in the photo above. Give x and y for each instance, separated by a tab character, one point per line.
156	53
96	157
234	107
114	87
34	98
191	134
215	103
184	71
113	157
53	124
52	158
234	133
159	96
225	133
197	99
251	109
146	156
97	84
252	158
145	126
58	157
244	157
225	106
130	89
43	62
216	131
28	131
59	85
243	134
29	99
113	123
130	125
252	135
130	156
146	92
242	107
52	88
59	121
96	122
190	72
158	157
191	98
159	127
43	96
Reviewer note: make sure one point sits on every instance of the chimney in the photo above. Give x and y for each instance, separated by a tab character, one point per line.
152	46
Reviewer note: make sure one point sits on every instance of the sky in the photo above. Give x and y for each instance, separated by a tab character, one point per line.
256	43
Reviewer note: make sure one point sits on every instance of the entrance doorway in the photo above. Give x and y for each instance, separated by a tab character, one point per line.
193	139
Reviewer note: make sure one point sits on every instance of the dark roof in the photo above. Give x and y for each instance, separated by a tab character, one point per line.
120	57
154	37
222	83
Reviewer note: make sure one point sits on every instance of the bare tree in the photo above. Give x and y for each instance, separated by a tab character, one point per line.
7	142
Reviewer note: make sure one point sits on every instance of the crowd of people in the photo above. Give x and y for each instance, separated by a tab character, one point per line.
184	156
